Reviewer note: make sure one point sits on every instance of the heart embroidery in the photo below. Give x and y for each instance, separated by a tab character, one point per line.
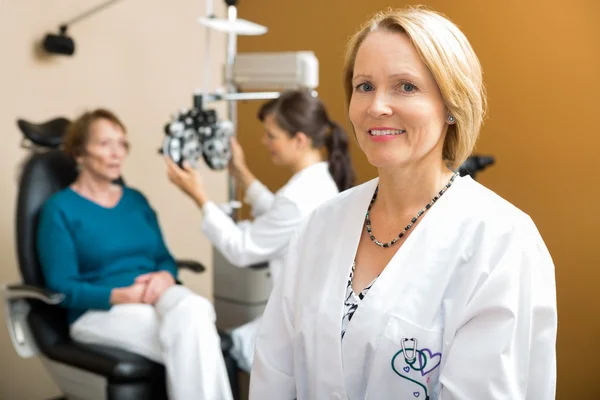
431	360
426	359
403	373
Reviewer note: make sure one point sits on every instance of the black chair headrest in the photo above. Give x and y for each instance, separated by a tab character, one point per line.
46	134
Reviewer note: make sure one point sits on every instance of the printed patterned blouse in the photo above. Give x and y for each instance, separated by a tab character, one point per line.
352	300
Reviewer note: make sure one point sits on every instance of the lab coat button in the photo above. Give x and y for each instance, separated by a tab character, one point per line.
336	396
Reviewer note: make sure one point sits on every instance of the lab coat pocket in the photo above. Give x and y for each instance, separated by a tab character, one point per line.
407	363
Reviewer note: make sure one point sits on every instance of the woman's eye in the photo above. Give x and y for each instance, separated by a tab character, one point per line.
364	87
408	87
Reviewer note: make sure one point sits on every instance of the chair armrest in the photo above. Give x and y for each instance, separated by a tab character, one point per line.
259	266
19	291
192	265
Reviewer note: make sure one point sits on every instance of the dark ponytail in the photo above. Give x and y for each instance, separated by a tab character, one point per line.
299	111
340	164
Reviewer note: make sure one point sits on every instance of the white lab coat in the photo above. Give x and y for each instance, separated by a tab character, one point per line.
266	238
277	216
473	284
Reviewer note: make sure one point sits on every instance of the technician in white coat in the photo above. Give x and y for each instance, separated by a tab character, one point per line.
297	127
419	284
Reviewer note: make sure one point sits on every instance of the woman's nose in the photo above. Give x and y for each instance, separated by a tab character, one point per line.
117	152
380	106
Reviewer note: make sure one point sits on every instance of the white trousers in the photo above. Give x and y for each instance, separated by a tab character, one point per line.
178	331
244	340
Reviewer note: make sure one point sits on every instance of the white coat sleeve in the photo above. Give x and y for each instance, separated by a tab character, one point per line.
259	197
272	374
258	241
505	346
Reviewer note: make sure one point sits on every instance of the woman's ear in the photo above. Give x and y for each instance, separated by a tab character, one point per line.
78	157
302	140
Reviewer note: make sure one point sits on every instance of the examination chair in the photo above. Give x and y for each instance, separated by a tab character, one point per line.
38	325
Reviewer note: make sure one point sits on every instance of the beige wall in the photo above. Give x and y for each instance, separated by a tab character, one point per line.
541	63
141	58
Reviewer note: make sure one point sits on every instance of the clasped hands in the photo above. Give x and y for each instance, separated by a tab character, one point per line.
147	288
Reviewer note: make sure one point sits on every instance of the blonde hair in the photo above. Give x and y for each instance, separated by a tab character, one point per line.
451	60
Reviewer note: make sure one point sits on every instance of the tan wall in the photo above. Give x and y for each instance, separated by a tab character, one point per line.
141	58
541	61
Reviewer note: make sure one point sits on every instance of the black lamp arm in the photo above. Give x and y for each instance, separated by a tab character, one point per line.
94	10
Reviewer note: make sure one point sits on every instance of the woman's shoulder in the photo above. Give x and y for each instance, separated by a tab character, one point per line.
491	212
134	194
315	176
134	199
309	188
486	203
62	199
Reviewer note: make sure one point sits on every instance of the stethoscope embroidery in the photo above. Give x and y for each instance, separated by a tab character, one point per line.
417	361
413	358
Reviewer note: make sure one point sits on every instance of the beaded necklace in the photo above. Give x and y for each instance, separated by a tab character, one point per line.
412	221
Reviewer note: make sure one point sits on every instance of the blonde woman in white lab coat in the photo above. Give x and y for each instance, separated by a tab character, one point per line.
419	284
297	127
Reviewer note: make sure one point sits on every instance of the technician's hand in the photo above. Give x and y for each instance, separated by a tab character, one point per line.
187	180
237	165
156	283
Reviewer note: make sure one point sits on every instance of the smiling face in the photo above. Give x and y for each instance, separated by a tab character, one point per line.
105	150
396	107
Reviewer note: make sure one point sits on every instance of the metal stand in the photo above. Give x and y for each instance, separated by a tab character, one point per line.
240	294
230	95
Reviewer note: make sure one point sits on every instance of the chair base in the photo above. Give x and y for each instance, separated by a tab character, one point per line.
77	384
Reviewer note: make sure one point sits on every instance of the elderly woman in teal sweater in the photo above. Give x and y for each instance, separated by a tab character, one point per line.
100	244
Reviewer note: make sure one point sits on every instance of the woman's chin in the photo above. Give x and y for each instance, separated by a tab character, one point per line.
384	161
113	176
